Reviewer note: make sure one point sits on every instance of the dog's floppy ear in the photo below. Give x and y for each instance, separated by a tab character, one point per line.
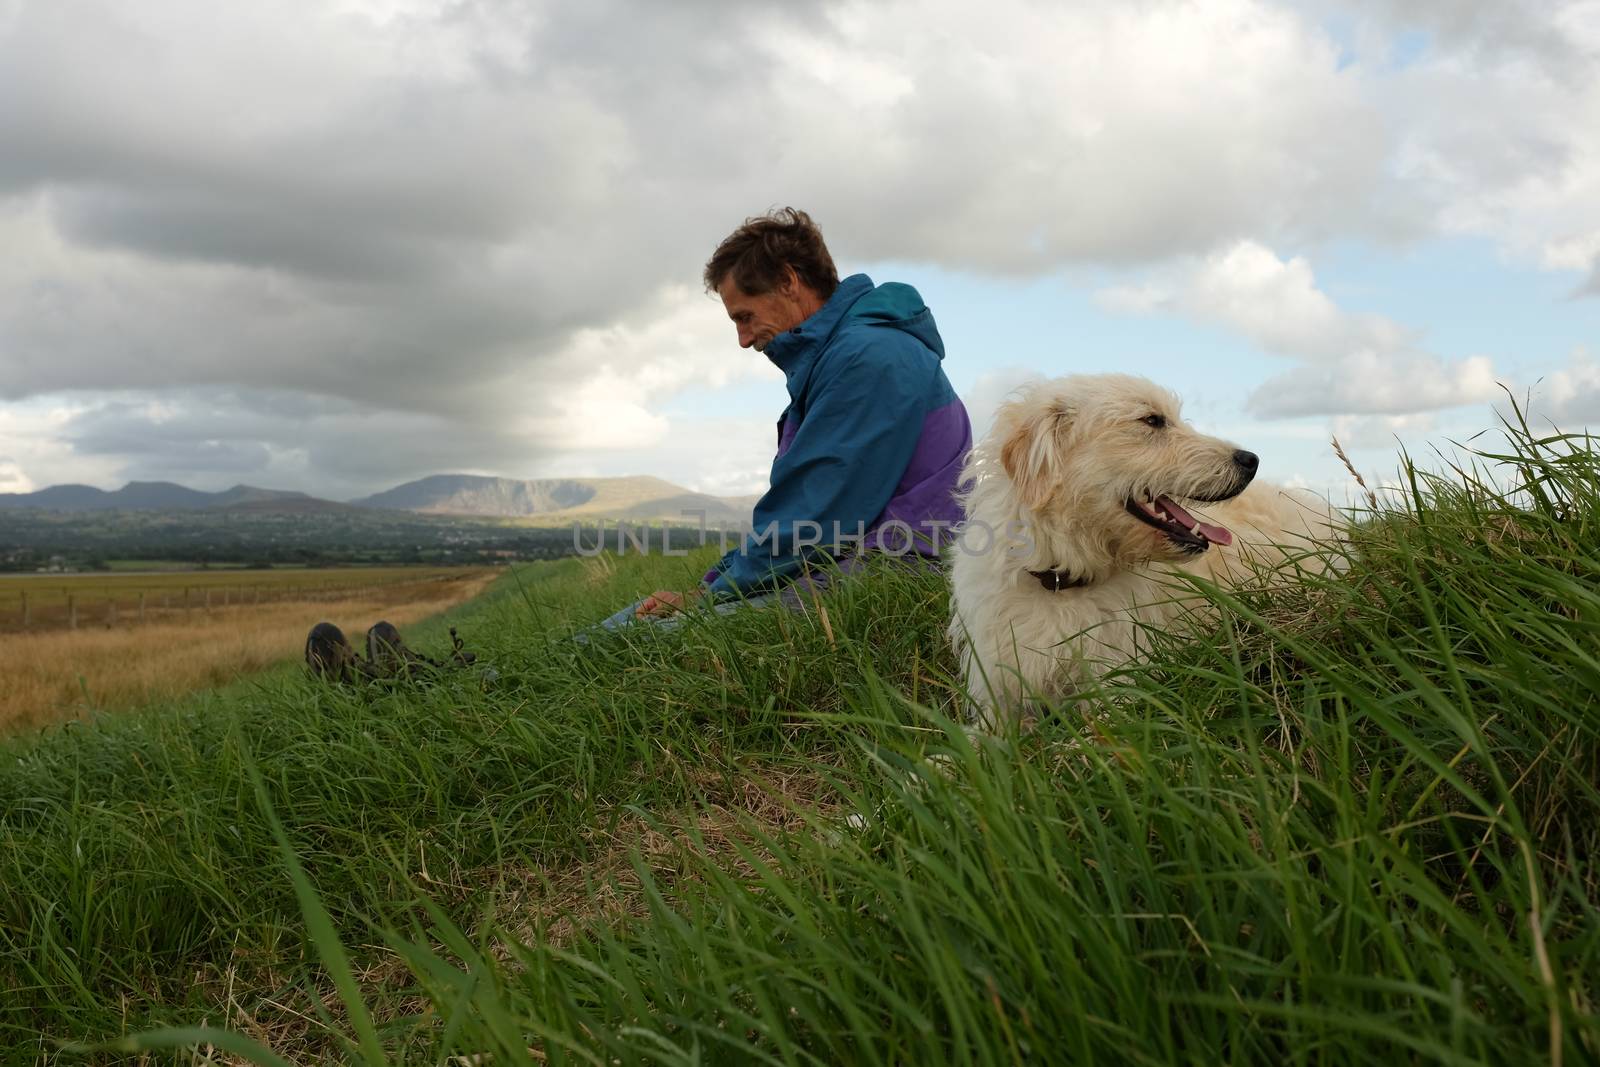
1030	452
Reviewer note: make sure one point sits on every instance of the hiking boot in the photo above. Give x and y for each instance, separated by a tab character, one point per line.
387	652
329	654
331	658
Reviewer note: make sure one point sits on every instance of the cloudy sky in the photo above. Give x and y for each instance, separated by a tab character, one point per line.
336	245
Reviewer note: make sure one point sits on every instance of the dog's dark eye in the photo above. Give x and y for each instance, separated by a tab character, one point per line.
1155	422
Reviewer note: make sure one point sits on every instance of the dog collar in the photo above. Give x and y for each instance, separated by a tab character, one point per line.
1055	581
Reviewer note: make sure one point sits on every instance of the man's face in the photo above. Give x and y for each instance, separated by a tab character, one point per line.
761	318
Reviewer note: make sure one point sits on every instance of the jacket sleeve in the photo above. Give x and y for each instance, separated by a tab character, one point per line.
860	427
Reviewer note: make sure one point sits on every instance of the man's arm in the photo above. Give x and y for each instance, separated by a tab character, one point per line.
860	429
666	602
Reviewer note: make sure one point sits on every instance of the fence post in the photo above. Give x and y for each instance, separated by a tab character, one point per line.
25	618
141	607
208	599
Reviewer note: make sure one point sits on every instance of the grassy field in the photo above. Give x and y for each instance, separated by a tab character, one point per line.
1355	821
145	637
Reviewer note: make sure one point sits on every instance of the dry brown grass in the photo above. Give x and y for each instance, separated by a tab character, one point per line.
45	677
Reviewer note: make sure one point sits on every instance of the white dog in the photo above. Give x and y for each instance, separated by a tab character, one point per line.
1081	503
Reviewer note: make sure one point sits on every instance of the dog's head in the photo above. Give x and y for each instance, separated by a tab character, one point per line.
1104	465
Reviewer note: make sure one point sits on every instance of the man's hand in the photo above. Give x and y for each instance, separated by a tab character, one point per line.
666	602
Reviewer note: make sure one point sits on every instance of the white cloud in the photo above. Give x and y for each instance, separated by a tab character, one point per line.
1376	383
1569	397
621	374
1501	122
1381	432
34	451
12	480
1148	298
1273	303
1350	363
727	456
1277	305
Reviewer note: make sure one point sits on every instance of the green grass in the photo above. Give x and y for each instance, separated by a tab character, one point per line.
1356	820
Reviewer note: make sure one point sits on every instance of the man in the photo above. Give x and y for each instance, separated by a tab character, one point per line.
872	441
869	448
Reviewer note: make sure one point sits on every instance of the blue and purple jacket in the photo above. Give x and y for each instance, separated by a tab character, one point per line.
869	447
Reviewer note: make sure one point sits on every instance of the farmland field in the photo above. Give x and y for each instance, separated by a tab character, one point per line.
40	602
74	643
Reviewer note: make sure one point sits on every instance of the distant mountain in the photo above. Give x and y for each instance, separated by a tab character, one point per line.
291	503
640	499
241	496
556	501
471	494
145	496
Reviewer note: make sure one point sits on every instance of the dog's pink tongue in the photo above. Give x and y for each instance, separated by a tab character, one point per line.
1217	535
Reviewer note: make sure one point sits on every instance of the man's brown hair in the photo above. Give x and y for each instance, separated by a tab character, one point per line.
756	254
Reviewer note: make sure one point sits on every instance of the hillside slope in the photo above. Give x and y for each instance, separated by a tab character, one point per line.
469	494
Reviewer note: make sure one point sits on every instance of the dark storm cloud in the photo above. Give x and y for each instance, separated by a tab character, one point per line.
407	238
212	439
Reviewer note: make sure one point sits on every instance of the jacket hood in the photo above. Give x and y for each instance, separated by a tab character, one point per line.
857	302
898	307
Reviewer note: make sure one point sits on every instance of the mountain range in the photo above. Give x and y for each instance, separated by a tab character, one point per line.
554	500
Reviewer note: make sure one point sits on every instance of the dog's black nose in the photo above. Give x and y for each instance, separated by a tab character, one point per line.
1246	461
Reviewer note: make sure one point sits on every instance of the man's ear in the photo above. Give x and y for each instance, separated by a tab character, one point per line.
789	284
1030	453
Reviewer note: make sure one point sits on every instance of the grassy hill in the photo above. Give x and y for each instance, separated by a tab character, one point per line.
1350	821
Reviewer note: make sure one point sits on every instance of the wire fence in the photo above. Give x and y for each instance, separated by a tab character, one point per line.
40	604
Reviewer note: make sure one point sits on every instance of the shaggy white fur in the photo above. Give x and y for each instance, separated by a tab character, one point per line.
1088	483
